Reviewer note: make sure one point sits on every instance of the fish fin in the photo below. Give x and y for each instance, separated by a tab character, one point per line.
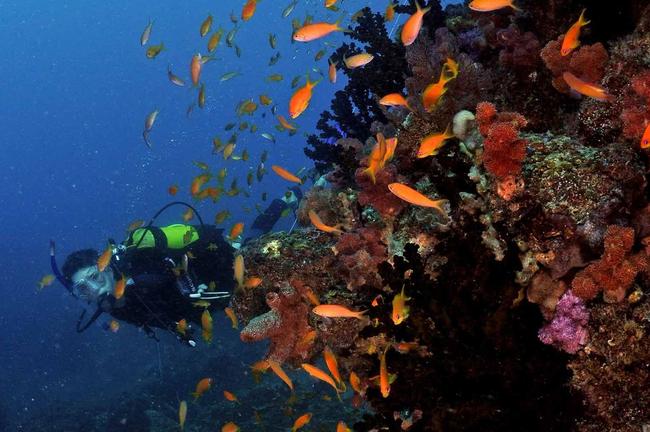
582	21
512	5
371	174
449	133
145	135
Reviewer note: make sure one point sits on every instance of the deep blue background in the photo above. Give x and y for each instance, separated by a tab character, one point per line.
75	89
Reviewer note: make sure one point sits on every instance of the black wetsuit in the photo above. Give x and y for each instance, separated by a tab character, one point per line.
155	298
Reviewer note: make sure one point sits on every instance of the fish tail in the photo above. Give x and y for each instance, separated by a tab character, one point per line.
371	174
512	5
582	21
145	135
361	314
449	133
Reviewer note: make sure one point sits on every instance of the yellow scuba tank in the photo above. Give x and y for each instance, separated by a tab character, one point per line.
175	236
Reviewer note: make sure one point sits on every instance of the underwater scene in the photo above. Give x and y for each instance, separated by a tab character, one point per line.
325	215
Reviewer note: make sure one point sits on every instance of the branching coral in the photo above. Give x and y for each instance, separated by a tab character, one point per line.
567	330
503	150
285	325
588	62
615	271
354	108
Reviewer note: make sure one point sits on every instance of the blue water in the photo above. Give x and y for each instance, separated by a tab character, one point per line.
76	87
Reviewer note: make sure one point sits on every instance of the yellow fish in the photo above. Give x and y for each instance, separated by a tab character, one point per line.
46	281
400	309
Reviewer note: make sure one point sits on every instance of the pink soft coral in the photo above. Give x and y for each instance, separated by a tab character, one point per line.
567	330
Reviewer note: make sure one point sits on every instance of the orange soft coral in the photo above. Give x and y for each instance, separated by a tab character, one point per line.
503	150
615	271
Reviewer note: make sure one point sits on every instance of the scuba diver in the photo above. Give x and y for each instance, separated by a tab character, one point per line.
169	273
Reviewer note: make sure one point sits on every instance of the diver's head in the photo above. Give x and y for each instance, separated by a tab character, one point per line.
87	282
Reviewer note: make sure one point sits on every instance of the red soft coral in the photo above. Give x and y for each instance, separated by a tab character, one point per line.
359	253
615	271
377	194
588	63
503	150
636	114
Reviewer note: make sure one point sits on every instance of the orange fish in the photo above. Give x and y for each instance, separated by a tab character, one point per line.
172	190
321	375
571	39
236	230
318	223
390	11
230	427
315	31
451	66
120	286
195	68
300	99
414	197
206	324
311	296
238	270
233	318
342	427
413	25
405	347
275	367
588	89
645	140
376	300
331	72
358	60
181	326
252	282
201	387
384	384
285	124
105	258
230	396
432	143
308	339
381	153
248	10
394	99
491	5
285	174
355	382
337	311
301	421
434	91
198	182
333	366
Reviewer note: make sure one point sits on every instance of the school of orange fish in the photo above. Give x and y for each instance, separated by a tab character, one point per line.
381	153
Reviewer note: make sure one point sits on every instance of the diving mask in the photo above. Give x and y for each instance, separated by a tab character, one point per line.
89	283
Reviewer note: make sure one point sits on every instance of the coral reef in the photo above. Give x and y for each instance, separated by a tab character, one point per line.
547	207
